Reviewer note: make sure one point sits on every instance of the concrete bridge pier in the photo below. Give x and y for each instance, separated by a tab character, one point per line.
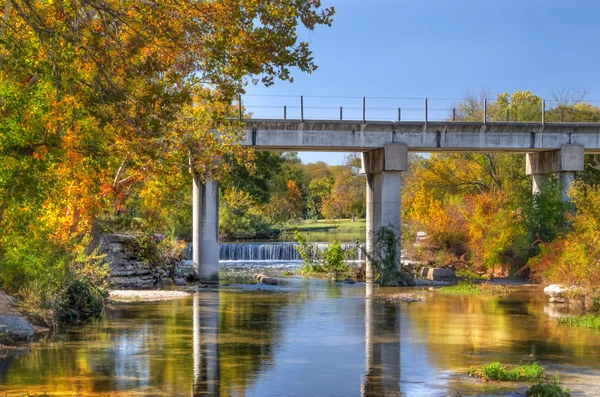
384	183
565	162
205	230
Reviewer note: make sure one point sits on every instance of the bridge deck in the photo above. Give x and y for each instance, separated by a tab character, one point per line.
336	135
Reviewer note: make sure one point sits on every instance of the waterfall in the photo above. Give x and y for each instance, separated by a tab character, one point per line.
272	251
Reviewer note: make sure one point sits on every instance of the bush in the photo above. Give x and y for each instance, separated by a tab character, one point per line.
160	254
385	258
334	263
79	295
309	253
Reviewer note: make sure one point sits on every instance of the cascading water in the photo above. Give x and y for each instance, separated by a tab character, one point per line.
273	251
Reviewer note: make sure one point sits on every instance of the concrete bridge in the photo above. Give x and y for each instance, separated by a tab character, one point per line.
551	148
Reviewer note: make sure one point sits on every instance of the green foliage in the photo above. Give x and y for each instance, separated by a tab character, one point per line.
79	294
330	261
590	321
385	259
309	253
461	288
334	263
574	258
497	372
545	215
159	253
241	217
551	389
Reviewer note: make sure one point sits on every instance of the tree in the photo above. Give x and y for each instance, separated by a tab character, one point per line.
100	99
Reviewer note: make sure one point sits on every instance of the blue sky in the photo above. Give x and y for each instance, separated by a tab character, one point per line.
439	49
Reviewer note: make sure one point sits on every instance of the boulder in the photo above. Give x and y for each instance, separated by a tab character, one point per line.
424	272
556	291
439	274
262	279
15	329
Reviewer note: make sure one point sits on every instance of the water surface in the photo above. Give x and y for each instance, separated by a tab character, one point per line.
305	338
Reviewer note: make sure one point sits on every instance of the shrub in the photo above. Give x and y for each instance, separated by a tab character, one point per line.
384	259
79	294
309	253
159	254
334	258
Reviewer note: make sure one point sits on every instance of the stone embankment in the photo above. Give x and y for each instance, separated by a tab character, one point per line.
127	269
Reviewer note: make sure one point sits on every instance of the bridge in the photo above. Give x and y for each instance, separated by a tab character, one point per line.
549	147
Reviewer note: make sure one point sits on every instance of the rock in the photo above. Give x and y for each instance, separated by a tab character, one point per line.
556	291
179	281
439	274
424	272
268	281
348	281
408	298
261	278
15	328
558	300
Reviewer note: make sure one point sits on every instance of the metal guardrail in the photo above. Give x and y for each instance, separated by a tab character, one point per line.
364	109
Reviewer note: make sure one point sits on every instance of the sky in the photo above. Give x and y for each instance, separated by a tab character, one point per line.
396	52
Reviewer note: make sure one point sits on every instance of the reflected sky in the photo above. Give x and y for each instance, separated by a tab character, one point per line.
306	338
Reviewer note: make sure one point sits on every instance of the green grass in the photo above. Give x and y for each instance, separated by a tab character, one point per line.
589	321
497	372
548	390
474	289
461	288
335	225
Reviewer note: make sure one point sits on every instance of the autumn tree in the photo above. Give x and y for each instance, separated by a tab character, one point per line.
104	98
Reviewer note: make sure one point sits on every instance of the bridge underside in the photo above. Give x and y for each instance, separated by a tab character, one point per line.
330	136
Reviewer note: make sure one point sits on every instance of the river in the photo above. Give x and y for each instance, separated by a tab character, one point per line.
305	338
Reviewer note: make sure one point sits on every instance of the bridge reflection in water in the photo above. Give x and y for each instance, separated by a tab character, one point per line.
206	353
382	347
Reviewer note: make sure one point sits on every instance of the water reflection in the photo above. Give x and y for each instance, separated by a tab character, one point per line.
306	338
382	348
207	368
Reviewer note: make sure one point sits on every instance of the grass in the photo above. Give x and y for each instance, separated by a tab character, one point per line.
474	289
497	372
548	390
334	225
589	321
461	288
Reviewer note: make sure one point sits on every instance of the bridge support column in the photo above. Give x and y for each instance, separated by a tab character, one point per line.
205	232
564	161
384	183
374	182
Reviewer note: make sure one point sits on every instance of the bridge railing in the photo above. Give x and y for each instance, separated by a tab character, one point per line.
364	109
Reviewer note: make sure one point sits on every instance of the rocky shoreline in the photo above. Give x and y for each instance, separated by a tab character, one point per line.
15	328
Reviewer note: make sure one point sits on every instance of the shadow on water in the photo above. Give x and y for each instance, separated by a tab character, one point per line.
304	338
